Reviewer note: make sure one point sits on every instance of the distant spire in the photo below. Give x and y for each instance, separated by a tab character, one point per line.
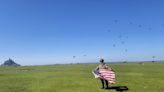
10	59
10	62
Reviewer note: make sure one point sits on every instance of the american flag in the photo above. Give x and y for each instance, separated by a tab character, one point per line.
105	74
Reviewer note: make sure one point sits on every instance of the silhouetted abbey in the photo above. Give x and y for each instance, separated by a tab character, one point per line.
10	62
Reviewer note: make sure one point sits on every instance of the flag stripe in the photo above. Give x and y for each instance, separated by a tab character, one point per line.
108	75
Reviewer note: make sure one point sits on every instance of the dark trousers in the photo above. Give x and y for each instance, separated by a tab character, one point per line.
106	82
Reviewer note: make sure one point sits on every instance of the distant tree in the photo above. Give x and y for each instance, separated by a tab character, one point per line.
125	62
153	59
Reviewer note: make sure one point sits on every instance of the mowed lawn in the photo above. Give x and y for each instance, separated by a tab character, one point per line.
78	78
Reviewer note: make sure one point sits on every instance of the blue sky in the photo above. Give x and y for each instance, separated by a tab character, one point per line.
36	32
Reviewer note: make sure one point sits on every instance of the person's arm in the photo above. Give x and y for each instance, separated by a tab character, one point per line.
110	68
106	67
97	68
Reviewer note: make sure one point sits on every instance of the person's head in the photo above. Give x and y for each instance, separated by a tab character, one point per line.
101	60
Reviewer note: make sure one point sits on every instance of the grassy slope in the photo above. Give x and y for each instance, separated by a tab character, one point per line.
78	78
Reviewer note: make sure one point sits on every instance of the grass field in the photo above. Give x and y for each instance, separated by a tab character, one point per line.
78	78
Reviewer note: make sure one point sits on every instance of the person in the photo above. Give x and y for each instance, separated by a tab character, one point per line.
102	65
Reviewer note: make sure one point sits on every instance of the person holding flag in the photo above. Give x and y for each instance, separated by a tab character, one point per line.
105	73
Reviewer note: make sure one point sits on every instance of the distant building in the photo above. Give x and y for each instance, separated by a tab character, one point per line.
141	63
10	62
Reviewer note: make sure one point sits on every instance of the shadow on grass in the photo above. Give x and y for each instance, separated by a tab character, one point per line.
118	88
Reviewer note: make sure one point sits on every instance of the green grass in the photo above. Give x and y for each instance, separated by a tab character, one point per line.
78	78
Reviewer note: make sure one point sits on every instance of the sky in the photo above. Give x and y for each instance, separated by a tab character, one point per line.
38	32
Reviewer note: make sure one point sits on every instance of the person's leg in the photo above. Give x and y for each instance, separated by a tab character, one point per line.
102	81
106	82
